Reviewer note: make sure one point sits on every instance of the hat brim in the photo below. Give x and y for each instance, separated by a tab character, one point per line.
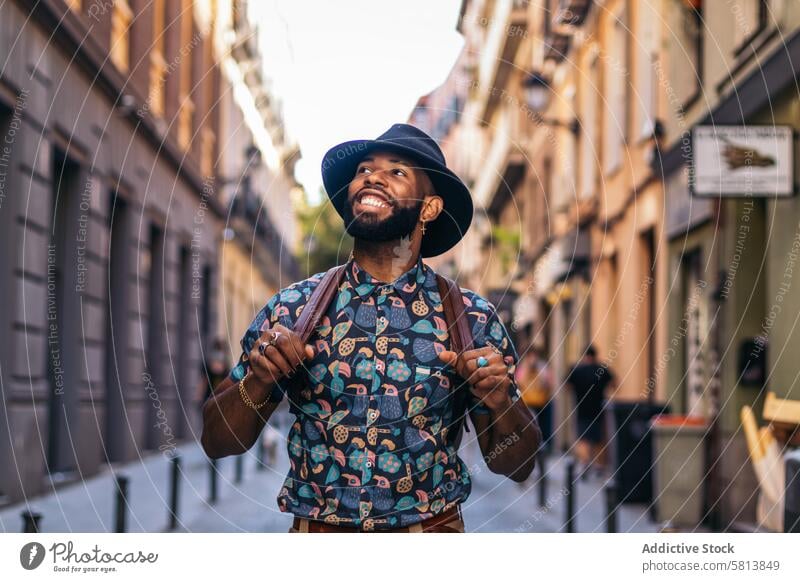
339	168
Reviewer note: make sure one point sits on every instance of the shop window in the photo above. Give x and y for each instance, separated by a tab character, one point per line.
63	310
117	326
157	326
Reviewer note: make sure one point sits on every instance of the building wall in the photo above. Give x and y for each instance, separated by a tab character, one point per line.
61	247
746	243
243	293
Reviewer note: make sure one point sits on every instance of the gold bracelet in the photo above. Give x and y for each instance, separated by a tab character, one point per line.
246	398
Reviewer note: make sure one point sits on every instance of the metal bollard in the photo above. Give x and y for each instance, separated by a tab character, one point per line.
570	517
791	508
611	506
174	483
120	510
238	469
212	497
542	482
30	521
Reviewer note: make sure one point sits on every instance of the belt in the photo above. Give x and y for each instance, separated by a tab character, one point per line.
449	521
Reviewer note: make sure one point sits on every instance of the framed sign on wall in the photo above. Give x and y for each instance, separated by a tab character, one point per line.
742	160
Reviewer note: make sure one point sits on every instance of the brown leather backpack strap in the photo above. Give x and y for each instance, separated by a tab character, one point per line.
455	315
460	340
318	303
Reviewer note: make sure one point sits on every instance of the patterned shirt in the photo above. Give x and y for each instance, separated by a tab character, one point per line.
368	446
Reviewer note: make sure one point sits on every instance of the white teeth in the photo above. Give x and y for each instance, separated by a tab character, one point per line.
372	201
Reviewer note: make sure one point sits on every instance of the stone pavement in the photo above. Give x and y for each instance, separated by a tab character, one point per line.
496	504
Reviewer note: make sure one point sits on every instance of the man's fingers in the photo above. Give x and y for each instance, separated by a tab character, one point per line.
481	374
291	351
275	357
264	369
288	344
486	385
477	352
492	359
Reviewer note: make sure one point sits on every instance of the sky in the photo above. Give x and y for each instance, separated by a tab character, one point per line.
350	69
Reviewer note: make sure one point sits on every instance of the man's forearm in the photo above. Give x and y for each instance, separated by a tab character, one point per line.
231	427
514	439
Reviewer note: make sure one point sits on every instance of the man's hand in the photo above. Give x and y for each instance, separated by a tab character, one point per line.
490	382
277	354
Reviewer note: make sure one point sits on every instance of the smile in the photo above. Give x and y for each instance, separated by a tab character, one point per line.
372	198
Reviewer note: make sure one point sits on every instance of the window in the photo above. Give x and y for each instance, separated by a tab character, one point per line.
588	137
686	55
646	49
186	111
209	90
750	18
121	18
615	72
158	65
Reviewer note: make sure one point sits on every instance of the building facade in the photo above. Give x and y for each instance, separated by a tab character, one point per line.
732	300
575	135
112	218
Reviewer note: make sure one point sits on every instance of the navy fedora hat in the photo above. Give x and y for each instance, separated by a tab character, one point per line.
339	168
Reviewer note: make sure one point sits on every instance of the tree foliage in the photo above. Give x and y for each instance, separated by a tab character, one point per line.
324	242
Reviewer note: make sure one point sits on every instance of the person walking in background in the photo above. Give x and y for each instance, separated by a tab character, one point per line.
214	370
535	379
589	381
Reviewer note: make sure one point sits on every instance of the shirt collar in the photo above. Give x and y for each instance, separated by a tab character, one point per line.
406	285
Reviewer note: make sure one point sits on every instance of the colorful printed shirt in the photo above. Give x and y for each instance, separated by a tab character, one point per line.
368	446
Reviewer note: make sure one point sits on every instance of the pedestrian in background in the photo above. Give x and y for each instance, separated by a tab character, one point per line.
589	380
214	370
535	381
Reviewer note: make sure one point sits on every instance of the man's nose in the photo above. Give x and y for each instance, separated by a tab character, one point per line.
375	178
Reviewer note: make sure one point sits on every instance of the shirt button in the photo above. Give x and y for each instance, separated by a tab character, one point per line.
369	464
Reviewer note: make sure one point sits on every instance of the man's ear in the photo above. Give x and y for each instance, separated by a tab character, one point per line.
432	207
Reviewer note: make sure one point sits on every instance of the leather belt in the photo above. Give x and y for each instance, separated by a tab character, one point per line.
449	521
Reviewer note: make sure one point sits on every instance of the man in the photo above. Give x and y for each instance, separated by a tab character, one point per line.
373	390
590	381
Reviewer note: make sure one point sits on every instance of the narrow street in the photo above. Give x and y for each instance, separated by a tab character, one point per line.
495	505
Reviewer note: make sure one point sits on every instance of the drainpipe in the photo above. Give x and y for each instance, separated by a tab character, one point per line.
713	476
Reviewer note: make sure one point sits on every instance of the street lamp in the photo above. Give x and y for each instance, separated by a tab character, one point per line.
537	96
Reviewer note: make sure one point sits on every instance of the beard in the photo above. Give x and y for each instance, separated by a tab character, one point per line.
366	226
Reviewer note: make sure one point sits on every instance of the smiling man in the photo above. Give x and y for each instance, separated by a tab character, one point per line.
381	378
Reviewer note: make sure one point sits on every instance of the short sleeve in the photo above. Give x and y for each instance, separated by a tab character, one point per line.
263	319
490	331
